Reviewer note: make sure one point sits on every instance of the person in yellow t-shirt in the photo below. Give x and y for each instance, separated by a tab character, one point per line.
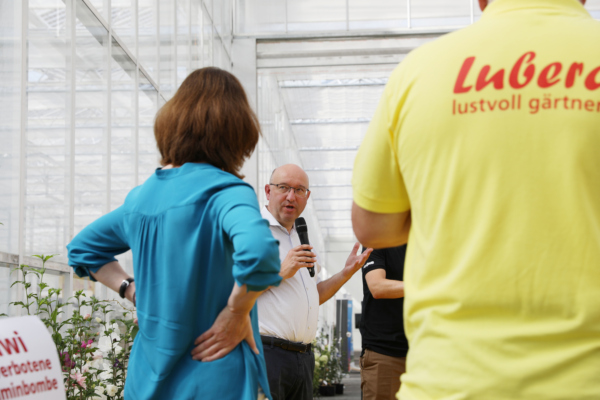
484	153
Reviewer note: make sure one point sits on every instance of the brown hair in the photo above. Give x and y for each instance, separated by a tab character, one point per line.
207	120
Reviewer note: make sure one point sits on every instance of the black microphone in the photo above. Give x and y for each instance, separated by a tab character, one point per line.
302	230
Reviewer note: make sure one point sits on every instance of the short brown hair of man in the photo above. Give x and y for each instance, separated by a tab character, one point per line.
207	120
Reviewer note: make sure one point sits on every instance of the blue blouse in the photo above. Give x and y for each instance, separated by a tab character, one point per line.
193	231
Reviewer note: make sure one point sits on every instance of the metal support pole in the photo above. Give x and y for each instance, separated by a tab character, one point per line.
71	74
347	15
23	139
109	111
136	98
472	11
286	16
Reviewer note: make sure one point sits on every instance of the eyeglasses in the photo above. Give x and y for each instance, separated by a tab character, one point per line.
300	192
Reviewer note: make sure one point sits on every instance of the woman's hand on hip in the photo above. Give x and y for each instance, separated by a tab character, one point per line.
229	329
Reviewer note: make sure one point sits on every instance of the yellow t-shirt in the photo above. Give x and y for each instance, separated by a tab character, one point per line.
491	137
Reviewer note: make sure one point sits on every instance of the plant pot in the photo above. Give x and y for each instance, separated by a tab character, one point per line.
339	388
326	391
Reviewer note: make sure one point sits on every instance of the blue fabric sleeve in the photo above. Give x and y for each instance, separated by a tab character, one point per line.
98	243
256	253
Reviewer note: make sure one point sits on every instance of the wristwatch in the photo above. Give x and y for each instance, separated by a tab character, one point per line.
124	286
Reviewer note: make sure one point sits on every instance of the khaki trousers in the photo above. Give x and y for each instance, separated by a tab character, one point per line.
380	375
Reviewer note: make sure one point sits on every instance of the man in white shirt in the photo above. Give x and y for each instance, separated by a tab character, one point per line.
288	314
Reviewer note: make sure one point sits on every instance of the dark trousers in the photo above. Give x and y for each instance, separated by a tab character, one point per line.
290	373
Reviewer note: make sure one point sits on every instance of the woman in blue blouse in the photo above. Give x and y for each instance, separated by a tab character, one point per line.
201	251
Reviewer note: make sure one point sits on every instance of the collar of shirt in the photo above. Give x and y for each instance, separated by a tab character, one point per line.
266	214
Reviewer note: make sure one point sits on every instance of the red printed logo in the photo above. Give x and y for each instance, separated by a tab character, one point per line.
524	72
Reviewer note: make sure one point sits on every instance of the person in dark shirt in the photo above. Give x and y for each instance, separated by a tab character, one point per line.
384	344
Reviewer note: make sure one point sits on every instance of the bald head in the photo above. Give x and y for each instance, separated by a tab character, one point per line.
291	170
286	206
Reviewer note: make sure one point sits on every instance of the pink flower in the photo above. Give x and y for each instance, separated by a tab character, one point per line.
88	344
80	379
87	316
67	362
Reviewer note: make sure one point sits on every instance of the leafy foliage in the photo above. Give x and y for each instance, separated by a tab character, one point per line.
328	361
93	348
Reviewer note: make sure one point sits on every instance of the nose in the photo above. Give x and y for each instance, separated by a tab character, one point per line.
291	195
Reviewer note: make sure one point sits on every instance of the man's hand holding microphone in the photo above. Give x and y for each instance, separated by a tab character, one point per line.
298	257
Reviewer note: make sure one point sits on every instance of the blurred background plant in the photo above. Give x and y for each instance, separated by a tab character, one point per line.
93	348
328	366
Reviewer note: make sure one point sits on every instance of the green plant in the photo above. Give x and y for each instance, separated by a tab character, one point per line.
93	348
335	361
328	361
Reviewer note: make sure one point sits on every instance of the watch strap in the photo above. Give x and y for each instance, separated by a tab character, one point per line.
124	286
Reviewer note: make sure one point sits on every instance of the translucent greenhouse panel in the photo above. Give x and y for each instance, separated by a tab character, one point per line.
123	22
342	192
328	159
593	7
217	51
148	37
7	294
253	16
377	14
339	232
336	223
48	178
334	215
316	15
196	35
167	57
209	5
328	205
10	126
332	104
123	130
222	11
440	13
91	116
321	176
330	135
185	45
148	156
102	7
207	40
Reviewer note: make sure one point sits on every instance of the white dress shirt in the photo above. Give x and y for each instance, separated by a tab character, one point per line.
291	310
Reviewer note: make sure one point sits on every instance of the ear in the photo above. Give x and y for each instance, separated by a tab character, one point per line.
483	4
268	191
582	2
308	196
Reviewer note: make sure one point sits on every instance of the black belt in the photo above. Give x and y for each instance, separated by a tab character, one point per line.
286	344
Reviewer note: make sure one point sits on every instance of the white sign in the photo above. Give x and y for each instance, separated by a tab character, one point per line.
29	364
